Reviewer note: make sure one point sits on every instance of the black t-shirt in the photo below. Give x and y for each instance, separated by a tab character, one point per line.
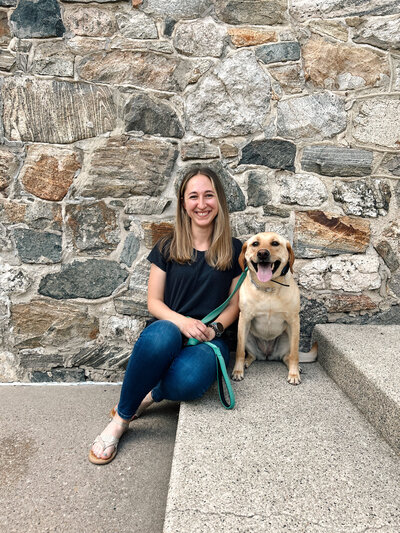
195	289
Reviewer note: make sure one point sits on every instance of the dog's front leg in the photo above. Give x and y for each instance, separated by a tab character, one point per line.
243	330
291	360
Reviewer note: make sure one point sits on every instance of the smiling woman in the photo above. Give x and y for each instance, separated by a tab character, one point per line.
192	272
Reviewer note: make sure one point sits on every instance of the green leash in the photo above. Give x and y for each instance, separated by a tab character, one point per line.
222	374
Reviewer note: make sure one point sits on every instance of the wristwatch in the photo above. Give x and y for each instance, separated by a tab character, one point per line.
217	327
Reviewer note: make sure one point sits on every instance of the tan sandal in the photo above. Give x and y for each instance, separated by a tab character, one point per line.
106	441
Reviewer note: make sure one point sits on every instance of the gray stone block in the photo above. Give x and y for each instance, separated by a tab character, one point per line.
240	100
105	355
315	117
92	227
368	198
336	161
41	18
152	116
176	8
312	312
279	52
258	191
57	112
272	153
130	250
63	375
388	255
263	12
7	60
305	9
88	279
38	247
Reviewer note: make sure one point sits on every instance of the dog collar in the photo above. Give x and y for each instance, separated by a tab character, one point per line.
264	289
268	289
279	283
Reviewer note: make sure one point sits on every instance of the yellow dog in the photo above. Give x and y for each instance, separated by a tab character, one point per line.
269	301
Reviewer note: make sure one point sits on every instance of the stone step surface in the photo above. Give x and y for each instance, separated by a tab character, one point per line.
364	362
286	459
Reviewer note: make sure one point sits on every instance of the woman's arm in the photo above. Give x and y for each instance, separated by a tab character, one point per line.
190	327
231	312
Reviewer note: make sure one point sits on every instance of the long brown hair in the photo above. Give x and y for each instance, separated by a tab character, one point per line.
219	255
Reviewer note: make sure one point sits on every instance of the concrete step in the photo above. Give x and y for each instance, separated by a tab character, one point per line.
286	459
47	483
364	361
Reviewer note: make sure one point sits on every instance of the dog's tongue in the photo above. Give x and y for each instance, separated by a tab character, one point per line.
264	272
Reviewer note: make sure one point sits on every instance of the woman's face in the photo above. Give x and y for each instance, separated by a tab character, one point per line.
200	201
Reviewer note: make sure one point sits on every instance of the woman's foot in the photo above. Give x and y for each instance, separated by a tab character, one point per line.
146	402
104	448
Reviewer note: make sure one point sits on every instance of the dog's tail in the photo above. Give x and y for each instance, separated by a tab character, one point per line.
311	356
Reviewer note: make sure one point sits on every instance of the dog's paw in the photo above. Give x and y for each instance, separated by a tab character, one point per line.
249	359
294	378
238	374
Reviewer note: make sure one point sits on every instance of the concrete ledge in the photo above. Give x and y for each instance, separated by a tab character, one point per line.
286	459
365	362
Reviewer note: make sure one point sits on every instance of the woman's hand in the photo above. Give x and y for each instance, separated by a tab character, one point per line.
193	328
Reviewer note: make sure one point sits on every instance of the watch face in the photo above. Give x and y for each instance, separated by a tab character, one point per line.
217	327
220	327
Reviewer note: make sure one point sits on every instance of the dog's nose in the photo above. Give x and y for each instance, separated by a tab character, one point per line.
263	255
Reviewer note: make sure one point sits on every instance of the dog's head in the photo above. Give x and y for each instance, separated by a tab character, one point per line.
268	255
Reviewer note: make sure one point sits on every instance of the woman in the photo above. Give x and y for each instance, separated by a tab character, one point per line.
192	273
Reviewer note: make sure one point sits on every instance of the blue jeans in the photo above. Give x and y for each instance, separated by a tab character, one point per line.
161	364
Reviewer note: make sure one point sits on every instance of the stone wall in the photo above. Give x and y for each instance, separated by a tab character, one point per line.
105	103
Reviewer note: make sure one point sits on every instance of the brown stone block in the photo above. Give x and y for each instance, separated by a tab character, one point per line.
12	212
49	172
43	323
347	303
37	215
289	77
5	34
126	167
251	36
319	234
228	150
153	232
342	66
137	3
141	69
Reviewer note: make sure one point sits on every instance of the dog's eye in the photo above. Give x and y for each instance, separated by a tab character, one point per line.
255	243
274	243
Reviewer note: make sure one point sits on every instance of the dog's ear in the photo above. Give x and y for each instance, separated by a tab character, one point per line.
242	259
291	257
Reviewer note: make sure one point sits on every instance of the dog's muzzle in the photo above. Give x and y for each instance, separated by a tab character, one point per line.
265	269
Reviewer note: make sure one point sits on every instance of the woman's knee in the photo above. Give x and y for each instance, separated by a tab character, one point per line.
191	374
185	389
161	338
